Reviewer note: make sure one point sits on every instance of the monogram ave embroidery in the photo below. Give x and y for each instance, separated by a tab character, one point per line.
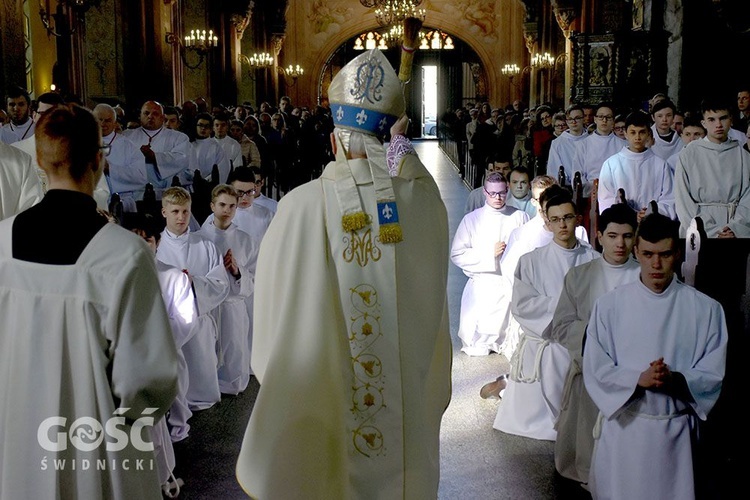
362	248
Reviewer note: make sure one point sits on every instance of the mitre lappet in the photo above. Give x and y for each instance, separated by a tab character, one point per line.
366	99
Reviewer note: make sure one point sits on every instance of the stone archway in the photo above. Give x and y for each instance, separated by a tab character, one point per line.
493	30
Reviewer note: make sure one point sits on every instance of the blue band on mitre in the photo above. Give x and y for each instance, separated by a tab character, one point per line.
361	119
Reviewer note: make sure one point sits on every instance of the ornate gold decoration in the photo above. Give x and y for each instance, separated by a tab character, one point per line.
362	248
530	35
565	17
368	382
277	41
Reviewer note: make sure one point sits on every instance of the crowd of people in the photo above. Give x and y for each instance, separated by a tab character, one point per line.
539	290
599	361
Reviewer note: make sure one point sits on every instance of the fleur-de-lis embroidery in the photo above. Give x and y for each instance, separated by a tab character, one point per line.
361	117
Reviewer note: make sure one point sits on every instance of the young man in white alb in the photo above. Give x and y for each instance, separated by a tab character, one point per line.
583	285
641	174
533	395
239	252
711	178
653	364
478	245
201	260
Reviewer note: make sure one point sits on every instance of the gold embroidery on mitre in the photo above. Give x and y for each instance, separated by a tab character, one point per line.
362	248
368	379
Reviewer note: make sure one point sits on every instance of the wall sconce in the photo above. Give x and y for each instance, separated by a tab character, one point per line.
200	42
292	72
512	71
259	60
60	17
542	61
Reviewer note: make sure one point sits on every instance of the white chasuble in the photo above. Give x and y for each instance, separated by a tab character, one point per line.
353	332
646	438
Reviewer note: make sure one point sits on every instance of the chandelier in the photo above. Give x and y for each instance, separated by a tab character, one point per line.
380	3
391	12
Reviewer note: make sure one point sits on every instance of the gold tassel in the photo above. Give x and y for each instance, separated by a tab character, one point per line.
354	222
391	233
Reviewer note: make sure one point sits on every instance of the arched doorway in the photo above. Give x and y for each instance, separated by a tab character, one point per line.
461	77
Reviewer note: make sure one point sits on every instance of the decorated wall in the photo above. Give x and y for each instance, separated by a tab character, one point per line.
492	28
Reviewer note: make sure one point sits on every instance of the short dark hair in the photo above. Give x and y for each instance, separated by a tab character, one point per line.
619	213
693	121
259	173
241	174
666	103
520	170
550	192
171	110
501	157
638	119
656	227
51	98
557	198
222	117
715	103
573	107
604	104
76	128
15	92
204	116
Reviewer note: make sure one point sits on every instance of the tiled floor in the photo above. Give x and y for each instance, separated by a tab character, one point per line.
477	462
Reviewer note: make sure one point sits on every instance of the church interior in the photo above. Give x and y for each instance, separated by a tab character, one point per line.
247	52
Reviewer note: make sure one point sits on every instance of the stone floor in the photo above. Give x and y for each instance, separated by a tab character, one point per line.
477	462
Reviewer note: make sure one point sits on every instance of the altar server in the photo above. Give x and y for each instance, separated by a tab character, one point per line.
532	399
640	173
653	364
478	245
583	285
239	253
592	151
711	178
201	260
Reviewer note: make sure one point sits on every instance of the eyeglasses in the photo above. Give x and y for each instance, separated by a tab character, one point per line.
493	194
560	125
106	149
619	128
606	118
242	193
564	218
203	125
575	118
